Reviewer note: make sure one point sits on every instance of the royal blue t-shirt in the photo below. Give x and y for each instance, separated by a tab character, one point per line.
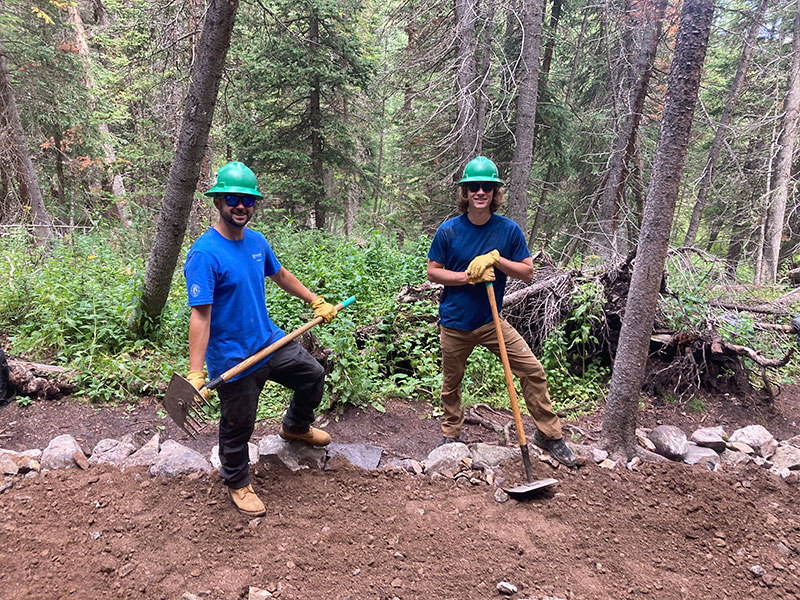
229	275
456	243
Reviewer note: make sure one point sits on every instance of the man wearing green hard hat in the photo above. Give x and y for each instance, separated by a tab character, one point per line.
467	251
225	272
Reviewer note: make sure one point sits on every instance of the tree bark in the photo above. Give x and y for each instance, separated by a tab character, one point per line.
526	112
719	137
185	170
779	191
619	422
486	55
29	189
626	137
315	115
466	77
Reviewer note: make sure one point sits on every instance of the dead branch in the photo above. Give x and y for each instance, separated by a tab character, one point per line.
761	309
37	380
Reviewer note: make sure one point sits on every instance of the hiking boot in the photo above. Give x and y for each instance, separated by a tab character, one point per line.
557	448
447	440
247	501
313	437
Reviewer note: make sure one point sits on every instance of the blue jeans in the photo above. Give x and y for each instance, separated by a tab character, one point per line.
292	367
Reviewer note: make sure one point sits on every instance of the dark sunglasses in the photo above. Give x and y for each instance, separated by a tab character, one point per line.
474	186
234	199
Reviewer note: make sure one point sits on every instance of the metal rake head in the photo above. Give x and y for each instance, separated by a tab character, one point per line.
186	406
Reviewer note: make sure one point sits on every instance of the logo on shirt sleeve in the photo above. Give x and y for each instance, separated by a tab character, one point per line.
194	290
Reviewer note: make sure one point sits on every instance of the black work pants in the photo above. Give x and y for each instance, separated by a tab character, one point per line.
291	366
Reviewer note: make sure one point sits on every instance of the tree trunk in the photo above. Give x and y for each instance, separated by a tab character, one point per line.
619	422
185	170
486	55
29	190
626	137
526	112
466	77
736	87
315	114
779	191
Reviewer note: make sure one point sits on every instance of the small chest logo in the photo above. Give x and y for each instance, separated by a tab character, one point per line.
257	257
194	290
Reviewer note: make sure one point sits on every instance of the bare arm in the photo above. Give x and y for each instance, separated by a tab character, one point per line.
199	330
438	274
291	284
522	269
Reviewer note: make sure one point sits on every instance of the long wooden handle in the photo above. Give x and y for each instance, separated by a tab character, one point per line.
512	392
261	354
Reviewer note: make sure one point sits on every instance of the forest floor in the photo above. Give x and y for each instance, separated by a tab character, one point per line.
668	531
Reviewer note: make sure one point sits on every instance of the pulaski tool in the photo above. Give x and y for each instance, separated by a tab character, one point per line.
187	407
520	491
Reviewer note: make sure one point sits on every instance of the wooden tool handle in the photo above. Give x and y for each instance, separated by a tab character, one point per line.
261	354
512	391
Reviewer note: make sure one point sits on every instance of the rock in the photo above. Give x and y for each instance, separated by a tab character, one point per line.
506	588
793	441
12	462
698	455
58	454
758	438
598	455
644	441
757	571
485	456
176	459
144	456
670	441
500	496
214	457
607	464
80	460
7	465
363	456
740	447
634	463
446	458
710	437
255	593
293	455
733	457
786	456
112	452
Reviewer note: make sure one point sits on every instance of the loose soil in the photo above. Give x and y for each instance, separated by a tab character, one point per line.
667	531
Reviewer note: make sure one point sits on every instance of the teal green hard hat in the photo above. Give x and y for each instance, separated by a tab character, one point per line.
480	168
235	178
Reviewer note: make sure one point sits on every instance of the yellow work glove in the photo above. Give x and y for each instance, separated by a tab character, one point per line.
323	309
475	270
198	379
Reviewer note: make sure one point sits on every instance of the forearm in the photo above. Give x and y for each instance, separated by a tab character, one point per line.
438	274
199	330
292	285
517	269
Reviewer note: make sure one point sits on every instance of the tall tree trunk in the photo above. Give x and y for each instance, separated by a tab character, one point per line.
619	422
315	114
758	267
483	82
576	60
182	181
736	87
466	77
29	189
526	112
779	191
626	136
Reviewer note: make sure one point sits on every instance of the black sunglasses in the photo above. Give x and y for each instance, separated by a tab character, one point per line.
474	186
234	199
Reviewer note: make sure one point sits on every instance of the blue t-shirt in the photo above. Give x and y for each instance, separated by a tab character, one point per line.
229	275
456	243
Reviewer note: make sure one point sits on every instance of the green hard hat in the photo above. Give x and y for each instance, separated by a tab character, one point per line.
480	168
235	178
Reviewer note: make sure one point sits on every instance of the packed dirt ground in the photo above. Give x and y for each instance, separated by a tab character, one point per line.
668	531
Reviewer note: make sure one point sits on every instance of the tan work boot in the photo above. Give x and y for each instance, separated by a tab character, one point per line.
314	436
247	501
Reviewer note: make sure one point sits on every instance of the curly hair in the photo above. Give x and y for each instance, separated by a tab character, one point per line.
497	198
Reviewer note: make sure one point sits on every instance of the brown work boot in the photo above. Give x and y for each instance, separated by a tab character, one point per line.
247	501
313	437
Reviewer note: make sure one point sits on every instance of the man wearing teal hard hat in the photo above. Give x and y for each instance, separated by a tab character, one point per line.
467	251
225	272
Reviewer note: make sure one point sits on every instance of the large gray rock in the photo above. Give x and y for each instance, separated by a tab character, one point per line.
710	437
486	456
758	438
670	441
293	455
732	457
793	441
176	459
252	451
58	454
363	456
698	455
786	457
446	458
144	456
112	452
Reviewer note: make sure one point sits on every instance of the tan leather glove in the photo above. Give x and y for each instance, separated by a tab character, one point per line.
323	309
475	270
488	275
198	379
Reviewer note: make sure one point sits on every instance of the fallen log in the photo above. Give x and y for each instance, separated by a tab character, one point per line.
40	381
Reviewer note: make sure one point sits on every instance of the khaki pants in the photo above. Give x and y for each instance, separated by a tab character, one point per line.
457	345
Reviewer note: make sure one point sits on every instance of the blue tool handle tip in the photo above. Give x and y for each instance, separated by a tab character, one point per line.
348	302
